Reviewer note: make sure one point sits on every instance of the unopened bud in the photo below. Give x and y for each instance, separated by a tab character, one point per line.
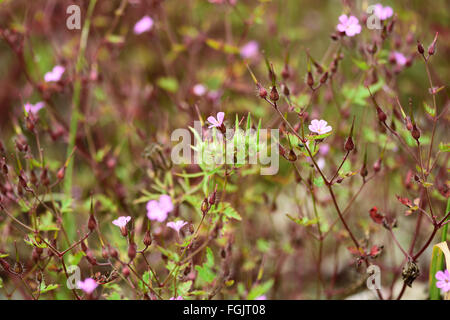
349	145
90	257
262	92
420	48
92	223
126	271
415	133
105	253
377	165
310	80
324	78
132	251
274	96
381	115
364	171
61	173
432	47
147	238
205	206
113	252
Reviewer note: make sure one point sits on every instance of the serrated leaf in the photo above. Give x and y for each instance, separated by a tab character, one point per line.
259	289
428	109
230	212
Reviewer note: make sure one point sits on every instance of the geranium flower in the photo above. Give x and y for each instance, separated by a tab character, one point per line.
121	222
158	210
349	25
88	285
263	297
383	13
176	225
143	25
199	90
33	108
216	122
54	75
399	58
319	127
444	280
324	148
249	50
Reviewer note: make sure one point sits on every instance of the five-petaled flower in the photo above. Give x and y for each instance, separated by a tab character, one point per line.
444	280
176	225
217	123
143	25
349	25
121	222
88	285
158	210
33	108
54	75
319	127
383	13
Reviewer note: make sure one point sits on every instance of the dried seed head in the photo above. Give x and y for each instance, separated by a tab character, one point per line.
324	77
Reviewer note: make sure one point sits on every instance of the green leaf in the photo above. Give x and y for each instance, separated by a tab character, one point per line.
205	272
230	212
361	64
43	288
428	109
259	289
168	83
444	147
305	221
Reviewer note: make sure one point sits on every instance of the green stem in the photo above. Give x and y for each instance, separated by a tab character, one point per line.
69	219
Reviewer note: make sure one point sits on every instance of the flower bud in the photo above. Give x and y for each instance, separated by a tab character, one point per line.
324	77
420	48
349	145
377	165
105	253
126	271
415	133
92	223
310	80
432	47
262	92
205	206
132	251
61	173
147	238
381	115
274	96
113	252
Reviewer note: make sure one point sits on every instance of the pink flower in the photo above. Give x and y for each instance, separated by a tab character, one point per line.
199	90
444	280
349	25
249	50
33	108
399	58
324	148
319	127
383	13
177	225
54	75
216	123
263	297
321	163
88	285
143	25
177	298
158	210
121	222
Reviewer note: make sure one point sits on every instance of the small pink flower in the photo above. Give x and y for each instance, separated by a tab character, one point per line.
249	50
383	13
158	210
349	25
88	285
177	298
324	148
263	297
399	58
319	127
143	25
444	280
33	108
122	221
199	90
216	122
321	163
54	75
177	225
